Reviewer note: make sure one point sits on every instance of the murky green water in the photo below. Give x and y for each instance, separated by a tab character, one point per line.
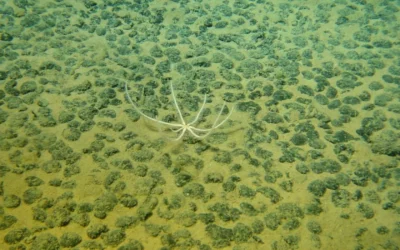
252	124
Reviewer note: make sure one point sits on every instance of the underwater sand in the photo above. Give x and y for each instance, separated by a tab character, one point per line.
309	158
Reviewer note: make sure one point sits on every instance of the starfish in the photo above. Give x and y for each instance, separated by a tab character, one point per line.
184	127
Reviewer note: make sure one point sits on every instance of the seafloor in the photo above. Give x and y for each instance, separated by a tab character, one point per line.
309	158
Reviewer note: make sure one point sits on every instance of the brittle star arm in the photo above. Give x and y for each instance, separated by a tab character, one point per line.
177	106
215	125
143	114
200	111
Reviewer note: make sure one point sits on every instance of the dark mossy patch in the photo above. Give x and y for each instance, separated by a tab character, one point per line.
386	142
382	43
250	106
213	178
383	99
394	107
11	201
321	99
182	179
375	86
242	233
95	230
7	221
317	188
299	139
366	211
194	190
343	179
302	168
206	218
225	212
369	125
325	165
33	181
334	104
273	118
45	241
114	237
351	100
331	183
221	236
31	195
143	155
272	221
339	137
281	95
341	198
245	191
70	239
16	235
347	84
313	208
314	227
304	89
223	157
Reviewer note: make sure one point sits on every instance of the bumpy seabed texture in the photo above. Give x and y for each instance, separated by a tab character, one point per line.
309	159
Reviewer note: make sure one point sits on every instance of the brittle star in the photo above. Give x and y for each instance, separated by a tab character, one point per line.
184	126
